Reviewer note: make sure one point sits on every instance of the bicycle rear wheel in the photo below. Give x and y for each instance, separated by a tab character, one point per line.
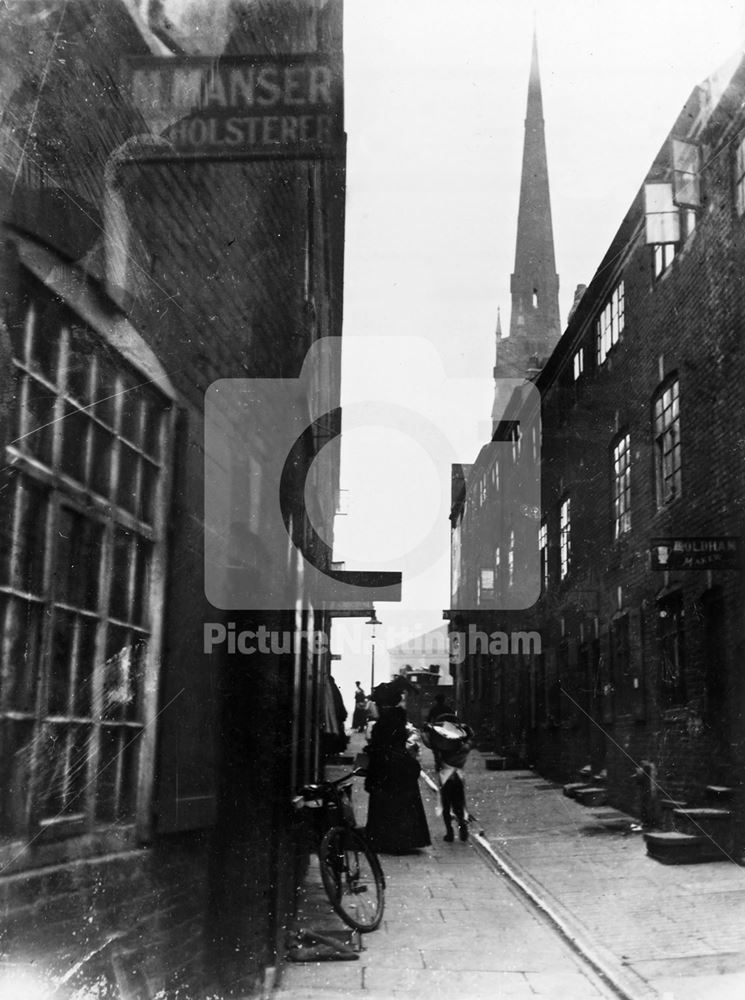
352	878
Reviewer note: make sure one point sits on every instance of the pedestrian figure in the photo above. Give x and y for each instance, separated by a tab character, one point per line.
451	742
396	821
439	707
359	718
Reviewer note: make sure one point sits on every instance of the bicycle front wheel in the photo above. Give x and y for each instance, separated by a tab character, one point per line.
352	878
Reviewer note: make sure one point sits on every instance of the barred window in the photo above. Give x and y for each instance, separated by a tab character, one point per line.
82	493
565	537
667	442
622	486
611	323
579	363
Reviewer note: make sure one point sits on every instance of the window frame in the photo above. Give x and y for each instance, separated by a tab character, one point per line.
621	484
610	322
662	433
53	319
565	538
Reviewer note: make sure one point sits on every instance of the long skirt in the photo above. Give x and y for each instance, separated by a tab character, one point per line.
396	821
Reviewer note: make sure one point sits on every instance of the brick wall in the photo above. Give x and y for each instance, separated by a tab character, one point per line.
688	321
218	284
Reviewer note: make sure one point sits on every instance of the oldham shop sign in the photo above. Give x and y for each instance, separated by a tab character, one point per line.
246	107
696	553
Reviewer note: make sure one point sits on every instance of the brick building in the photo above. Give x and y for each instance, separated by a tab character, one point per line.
642	402
148	840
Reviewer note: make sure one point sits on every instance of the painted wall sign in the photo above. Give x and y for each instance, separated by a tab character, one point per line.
696	553
247	106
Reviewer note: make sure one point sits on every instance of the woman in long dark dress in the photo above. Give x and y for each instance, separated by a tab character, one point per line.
396	822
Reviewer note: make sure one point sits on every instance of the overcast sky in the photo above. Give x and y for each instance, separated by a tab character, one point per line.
435	104
435	107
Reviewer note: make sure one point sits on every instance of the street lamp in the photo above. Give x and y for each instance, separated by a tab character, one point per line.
373	620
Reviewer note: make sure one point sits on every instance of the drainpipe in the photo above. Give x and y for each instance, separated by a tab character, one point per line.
118	248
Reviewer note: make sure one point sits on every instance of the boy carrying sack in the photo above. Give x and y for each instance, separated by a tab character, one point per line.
451	742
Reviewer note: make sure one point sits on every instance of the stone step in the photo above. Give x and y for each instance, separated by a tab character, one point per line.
704	821
585	773
672	847
719	793
667	806
573	787
601	777
592	796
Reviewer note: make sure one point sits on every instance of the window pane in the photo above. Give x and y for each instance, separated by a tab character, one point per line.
37	428
45	341
63	655
62	770
16	744
74	429
131	427
19	653
106	390
128	492
142	583
27	572
148	492
123	555
153	418
101	454
78	560
117	774
118	693
81	365
71	672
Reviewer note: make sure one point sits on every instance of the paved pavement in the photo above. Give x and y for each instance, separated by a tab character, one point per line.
550	895
670	931
453	928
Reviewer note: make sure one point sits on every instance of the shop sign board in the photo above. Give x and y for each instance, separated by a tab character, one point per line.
239	106
696	553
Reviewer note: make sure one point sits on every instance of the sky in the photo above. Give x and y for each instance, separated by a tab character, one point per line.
435	98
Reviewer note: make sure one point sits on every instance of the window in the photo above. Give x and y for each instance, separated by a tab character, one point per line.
81	523
622	486
662	257
610	324
579	363
663	254
671	650
667	443
565	528
740	176
511	561
543	549
486	584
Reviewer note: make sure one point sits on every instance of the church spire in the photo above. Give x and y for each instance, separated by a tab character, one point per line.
534	321
498	338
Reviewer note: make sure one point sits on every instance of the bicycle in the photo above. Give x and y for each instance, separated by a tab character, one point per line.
350	870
